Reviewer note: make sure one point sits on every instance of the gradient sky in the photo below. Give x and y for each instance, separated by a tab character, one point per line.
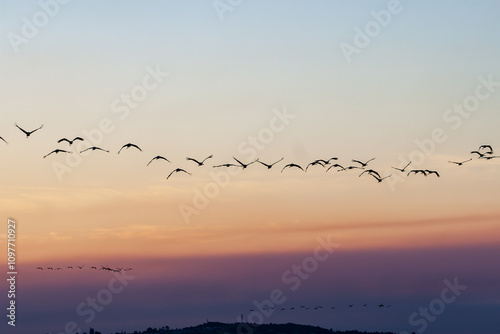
227	80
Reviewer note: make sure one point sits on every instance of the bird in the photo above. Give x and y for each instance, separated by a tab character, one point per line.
177	170
350	167
351	305
486	147
157	158
292	165
320	162
93	267
198	162
328	161
378	178
244	165
489	157
93	148
370	171
69	267
478	153
28	133
70	142
227	165
50	268
402	169
81	267
363	164
56	151
335	166
4	140
39	268
271	165
416	171
460	163
429	172
381	305
128	146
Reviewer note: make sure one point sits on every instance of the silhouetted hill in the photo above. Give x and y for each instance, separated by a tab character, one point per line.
246	328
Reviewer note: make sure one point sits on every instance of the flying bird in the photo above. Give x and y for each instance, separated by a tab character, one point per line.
244	165
157	158
39	268
128	146
336	166
292	165
429	172
363	164
489	157
93	148
371	172
81	267
4	140
378	178
460	163
486	147
320	162
416	171
69	267
227	165
198	162
271	165
28	133
402	169
56	151
70	142
177	170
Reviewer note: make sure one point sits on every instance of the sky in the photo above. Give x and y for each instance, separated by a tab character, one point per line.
398	81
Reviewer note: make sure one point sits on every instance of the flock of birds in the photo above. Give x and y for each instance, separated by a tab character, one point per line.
116	270
316	308
484	152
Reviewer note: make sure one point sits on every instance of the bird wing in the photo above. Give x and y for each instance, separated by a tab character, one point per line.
25	132
193	160
137	147
171	173
277	161
210	156
359	162
63	139
4	140
49	154
238	161
78	138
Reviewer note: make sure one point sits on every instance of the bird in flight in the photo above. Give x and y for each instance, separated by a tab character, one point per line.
429	172
70	142
486	147
320	162
4	140
402	169
271	165
459	163
39	268
379	179
244	165
371	172
177	170
56	151
128	146
28	133
363	164
335	166
478	153
416	171
157	158
381	305
93	148
227	165
292	165
489	157
81	267
198	162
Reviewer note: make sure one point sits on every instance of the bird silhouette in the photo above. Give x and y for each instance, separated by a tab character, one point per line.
489	157
460	163
93	148
81	267
351	305
39	268
292	165
402	169
378	178
335	166
4	140
177	170
69	267
56	151
70	142
381	305
370	171
478	153
350	167
157	158
267	165
227	165
416	171
429	172
244	165
28	133
198	162
486	147
363	164
320	162
129	145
